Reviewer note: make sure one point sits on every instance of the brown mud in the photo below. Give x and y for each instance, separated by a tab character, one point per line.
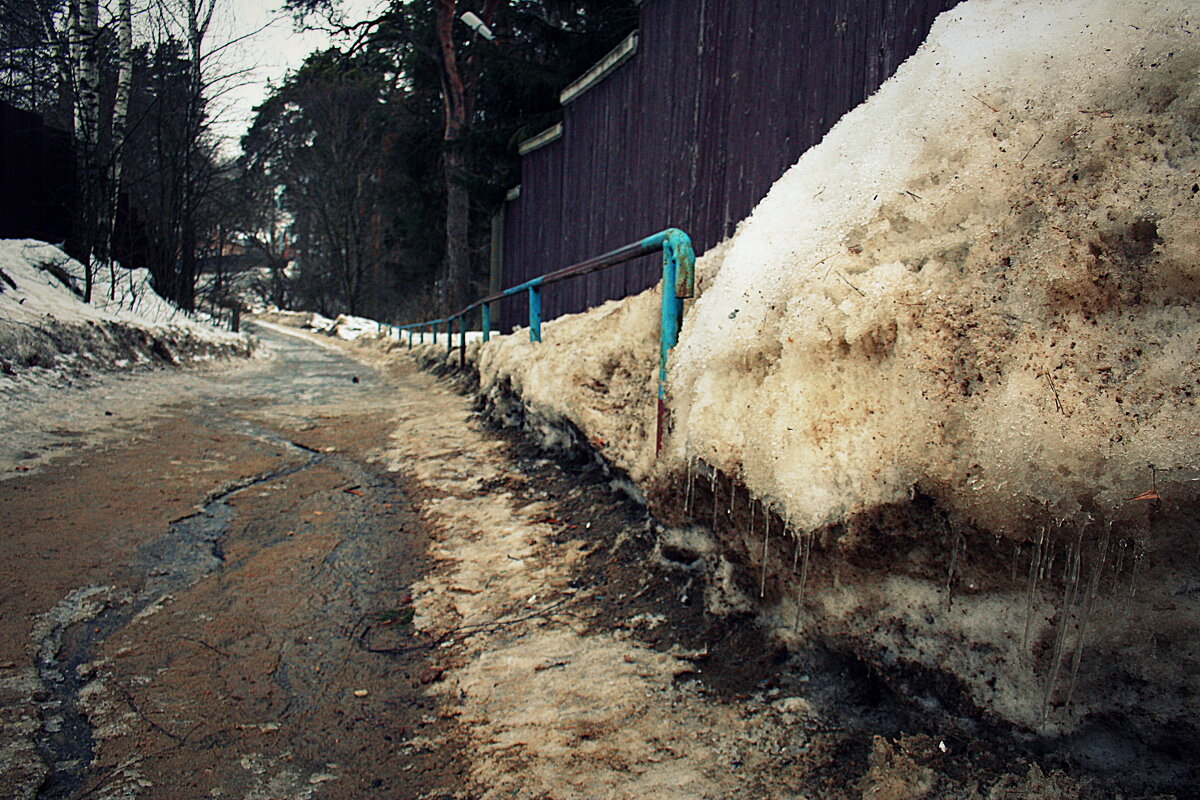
182	611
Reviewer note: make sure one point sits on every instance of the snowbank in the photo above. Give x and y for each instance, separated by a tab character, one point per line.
596	371
954	352
46	329
981	285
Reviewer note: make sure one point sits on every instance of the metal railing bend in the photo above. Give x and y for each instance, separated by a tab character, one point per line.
678	283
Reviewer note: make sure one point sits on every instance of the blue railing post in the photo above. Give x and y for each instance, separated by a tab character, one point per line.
678	282
535	313
486	322
449	335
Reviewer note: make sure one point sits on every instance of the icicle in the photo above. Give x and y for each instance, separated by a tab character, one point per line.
762	582
1035	567
1015	560
1137	560
954	547
715	493
807	540
1070	590
1122	546
1089	602
732	496
689	494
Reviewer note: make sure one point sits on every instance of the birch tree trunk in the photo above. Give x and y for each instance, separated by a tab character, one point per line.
84	33
120	121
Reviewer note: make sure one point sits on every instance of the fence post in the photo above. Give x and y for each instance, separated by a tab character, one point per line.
678	282
449	335
535	313
487	321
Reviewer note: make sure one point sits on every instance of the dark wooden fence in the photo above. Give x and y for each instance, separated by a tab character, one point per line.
720	99
39	191
37	179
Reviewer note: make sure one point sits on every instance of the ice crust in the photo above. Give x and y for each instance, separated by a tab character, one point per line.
980	285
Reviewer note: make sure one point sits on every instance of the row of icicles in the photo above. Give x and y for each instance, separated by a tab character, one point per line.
1082	577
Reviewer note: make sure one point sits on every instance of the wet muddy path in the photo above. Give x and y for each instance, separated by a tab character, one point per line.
316	576
184	592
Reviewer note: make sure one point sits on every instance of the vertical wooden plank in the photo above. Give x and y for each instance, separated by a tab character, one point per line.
721	98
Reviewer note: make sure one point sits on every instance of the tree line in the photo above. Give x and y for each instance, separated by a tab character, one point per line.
368	177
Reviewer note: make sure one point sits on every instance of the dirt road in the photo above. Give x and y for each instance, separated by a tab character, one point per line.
309	577
183	590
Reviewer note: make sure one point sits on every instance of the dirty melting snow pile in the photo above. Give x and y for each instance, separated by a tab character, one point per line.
982	284
552	707
595	370
980	288
46	329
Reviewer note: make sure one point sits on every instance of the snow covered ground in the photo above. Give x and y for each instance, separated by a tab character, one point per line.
50	338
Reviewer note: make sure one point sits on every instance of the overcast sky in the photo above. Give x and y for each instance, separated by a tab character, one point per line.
267	55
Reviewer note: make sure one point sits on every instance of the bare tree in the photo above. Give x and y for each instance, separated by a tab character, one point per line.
459	78
84	28
120	131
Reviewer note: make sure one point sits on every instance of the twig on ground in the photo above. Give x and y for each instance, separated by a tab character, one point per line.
1057	403
1035	144
848	283
203	643
104	779
461	632
989	105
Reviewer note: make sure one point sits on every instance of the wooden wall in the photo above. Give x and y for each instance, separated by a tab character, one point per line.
720	99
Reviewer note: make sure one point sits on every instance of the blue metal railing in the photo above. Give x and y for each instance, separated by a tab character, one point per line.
678	283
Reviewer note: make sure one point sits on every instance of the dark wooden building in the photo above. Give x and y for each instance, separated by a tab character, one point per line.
688	125
37	179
